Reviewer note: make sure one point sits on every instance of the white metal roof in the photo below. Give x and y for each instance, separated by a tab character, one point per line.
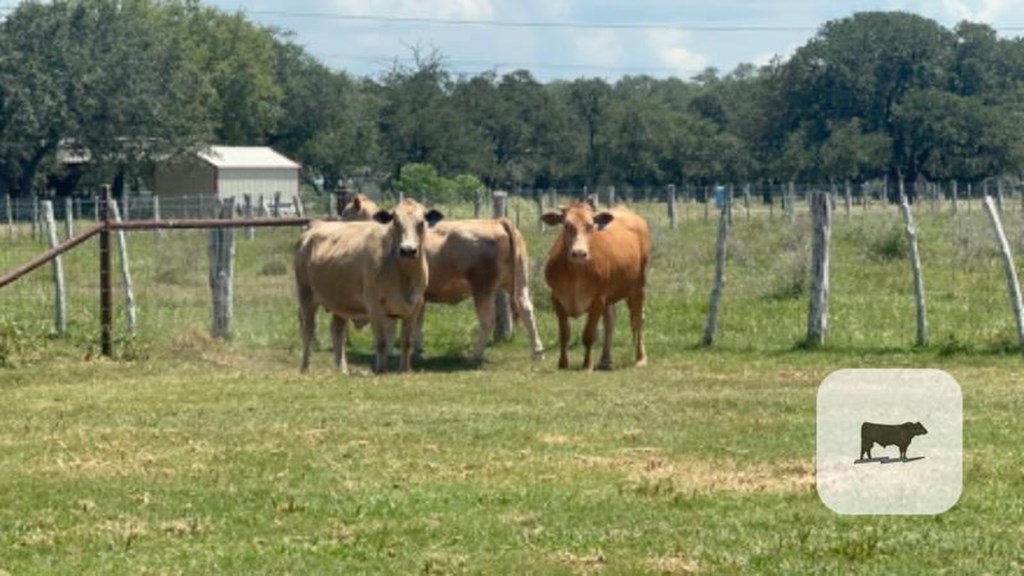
246	157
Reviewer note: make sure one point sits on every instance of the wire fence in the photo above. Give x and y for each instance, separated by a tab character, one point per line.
764	304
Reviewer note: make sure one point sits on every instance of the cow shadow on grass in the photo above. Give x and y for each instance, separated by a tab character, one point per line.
440	363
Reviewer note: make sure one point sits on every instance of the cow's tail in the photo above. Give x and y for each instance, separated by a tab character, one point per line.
513	236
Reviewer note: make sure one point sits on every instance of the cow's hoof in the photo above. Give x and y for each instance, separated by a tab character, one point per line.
537	355
605	365
641	363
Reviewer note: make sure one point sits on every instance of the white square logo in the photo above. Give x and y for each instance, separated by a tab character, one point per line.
890	441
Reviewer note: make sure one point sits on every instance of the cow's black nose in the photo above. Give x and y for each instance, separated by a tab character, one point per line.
408	251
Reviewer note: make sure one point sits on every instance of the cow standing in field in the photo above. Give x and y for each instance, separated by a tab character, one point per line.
598	259
472	258
477	258
888	434
373	272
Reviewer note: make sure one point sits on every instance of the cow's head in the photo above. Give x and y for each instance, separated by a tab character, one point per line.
409	221
359	208
918	429
579	220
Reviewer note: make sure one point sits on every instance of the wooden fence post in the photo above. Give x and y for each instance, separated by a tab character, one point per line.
106	291
69	218
790	199
711	327
817	312
247	211
672	206
540	209
915	268
1011	270
999	195
332	205
35	217
222	267
848	197
60	307
746	199
158	233
298	207
502	302
9	211
277	205
126	275
611	195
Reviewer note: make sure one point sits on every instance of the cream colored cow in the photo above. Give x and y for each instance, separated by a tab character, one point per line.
373	272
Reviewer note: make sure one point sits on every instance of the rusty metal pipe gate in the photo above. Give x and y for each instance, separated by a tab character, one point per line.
103	230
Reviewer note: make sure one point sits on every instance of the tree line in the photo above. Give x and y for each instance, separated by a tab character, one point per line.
119	84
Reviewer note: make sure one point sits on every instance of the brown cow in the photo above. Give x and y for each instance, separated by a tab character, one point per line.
477	258
472	258
598	259
359	208
373	272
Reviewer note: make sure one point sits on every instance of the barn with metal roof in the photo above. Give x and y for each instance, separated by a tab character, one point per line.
220	172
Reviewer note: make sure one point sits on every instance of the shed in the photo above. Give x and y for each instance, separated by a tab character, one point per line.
220	172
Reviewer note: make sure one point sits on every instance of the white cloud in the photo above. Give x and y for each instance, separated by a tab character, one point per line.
445	9
670	50
597	47
987	11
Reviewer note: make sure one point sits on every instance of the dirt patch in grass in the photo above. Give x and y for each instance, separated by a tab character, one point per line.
673	564
649	472
589	563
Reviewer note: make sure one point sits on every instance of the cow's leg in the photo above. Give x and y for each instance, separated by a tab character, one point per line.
417	332
636	322
390	339
307	325
563	333
407	328
609	329
484	302
594	316
339	336
525	305
381	337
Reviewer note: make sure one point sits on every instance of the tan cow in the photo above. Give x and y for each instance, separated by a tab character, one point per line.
598	259
477	258
472	258
360	207
372	272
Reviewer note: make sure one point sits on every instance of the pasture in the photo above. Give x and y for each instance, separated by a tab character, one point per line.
189	455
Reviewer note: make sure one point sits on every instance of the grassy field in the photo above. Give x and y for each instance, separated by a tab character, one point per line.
189	455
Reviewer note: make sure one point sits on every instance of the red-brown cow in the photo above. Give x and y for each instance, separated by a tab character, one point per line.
598	259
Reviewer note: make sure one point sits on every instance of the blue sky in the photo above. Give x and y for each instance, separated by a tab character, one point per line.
671	41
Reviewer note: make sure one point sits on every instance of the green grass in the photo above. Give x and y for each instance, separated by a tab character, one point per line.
188	455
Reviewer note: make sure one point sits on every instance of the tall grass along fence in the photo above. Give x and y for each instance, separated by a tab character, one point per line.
191	277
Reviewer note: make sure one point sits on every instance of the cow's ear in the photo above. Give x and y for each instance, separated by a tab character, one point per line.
434	216
384	217
602	219
357	203
552	218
